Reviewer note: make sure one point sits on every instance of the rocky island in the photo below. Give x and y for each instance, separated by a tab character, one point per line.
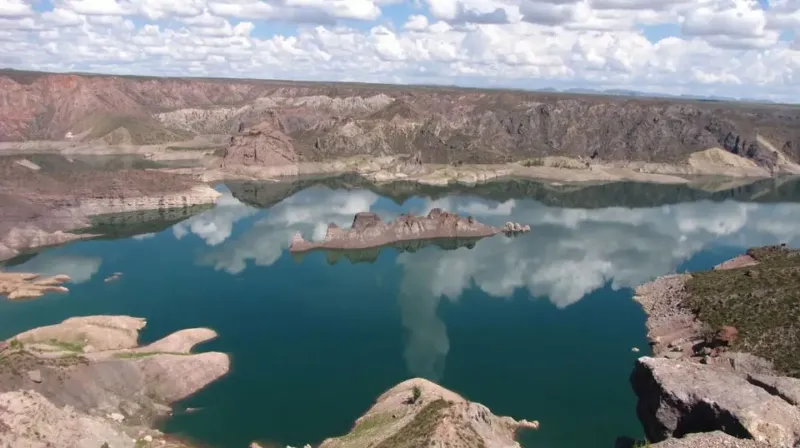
368	231
87	383
725	364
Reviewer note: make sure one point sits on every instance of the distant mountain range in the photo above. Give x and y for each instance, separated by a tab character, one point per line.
638	94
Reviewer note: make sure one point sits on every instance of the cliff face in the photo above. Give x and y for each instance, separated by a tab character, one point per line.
39	207
318	121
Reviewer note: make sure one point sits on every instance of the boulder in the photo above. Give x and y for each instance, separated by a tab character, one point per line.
365	219
35	376
680	397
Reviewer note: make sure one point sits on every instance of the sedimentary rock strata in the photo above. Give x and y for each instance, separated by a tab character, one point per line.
368	230
418	413
317	121
86	382
40	208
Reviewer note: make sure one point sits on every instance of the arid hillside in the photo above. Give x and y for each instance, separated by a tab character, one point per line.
290	121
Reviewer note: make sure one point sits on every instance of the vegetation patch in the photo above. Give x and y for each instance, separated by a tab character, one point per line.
419	431
366	427
761	301
67	346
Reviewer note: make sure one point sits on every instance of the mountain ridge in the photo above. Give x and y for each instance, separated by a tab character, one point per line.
319	121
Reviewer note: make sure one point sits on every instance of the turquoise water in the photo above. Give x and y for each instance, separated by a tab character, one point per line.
538	327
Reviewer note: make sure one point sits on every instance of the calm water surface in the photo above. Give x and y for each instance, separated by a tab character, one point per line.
537	327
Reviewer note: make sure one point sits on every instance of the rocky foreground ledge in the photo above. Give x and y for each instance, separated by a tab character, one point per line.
368	231
726	361
87	383
419	413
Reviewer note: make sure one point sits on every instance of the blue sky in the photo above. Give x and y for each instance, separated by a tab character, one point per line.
734	47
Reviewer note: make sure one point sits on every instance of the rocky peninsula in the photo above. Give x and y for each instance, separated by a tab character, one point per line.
23	285
418	413
368	231
87	382
725	369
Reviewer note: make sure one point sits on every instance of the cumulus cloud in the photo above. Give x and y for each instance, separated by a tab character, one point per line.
15	8
709	46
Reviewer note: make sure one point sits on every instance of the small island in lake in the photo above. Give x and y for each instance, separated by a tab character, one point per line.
368	230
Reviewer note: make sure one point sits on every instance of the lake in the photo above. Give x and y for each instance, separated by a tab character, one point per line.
538	327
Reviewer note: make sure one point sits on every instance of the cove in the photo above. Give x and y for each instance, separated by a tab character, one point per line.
538	327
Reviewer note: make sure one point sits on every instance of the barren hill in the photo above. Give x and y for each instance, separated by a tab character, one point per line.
322	121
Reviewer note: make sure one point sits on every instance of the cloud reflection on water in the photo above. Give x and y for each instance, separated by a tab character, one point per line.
568	254
79	268
307	212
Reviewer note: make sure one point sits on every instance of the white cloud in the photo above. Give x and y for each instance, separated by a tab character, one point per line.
715	47
14	8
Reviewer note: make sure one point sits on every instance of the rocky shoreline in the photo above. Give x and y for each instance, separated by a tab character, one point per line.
703	387
369	231
87	382
45	208
22	285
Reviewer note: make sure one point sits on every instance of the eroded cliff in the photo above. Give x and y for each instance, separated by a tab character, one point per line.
293	121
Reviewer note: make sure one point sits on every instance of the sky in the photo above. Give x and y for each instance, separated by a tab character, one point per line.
734	48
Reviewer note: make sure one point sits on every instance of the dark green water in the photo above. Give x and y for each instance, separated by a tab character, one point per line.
538	327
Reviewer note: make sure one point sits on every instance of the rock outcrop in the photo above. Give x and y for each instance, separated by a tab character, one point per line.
716	439
419	413
677	398
86	382
699	381
368	230
320	122
21	285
